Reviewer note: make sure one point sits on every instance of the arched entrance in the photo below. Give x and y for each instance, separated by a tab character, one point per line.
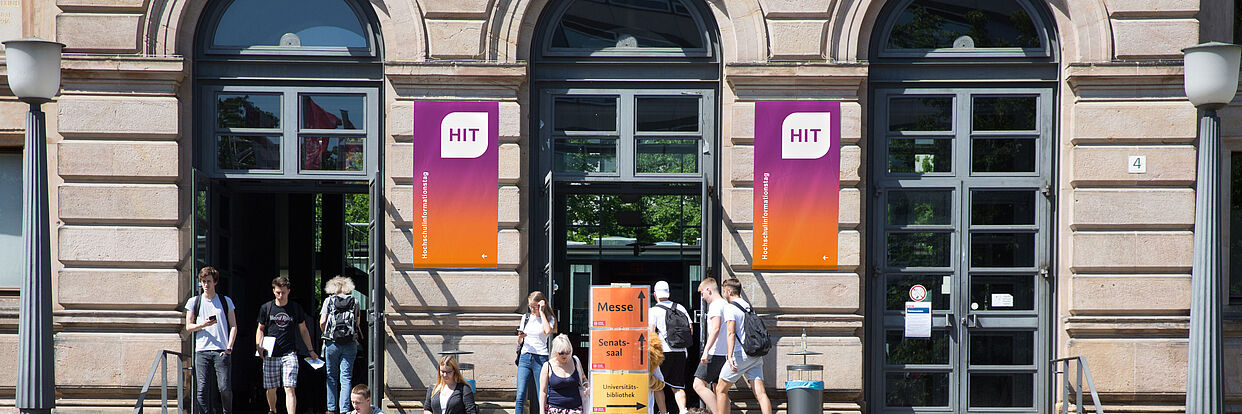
961	165
287	166
625	105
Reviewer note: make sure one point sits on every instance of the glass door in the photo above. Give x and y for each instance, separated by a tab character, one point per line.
963	211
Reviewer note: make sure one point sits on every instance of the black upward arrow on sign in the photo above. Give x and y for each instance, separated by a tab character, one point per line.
636	406
642	304
642	348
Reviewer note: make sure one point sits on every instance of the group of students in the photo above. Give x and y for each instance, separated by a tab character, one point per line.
563	386
211	318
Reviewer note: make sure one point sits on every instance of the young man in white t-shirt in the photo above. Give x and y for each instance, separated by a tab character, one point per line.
739	364
210	318
674	366
713	356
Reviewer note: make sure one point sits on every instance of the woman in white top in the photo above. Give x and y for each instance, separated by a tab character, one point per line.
532	335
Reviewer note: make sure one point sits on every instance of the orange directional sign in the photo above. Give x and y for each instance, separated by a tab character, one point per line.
619	350
619	393
619	307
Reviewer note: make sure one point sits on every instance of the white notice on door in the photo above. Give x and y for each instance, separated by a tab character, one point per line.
1002	300
918	319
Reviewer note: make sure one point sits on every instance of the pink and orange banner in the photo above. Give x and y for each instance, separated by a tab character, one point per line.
797	182
456	167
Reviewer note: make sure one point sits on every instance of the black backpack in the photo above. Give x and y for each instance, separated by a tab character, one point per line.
678	334
342	320
755	340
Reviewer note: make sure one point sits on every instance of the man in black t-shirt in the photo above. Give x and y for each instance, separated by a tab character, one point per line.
282	320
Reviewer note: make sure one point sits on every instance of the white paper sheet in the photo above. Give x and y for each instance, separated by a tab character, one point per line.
918	319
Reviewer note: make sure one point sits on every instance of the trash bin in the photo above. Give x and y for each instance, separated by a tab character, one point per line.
804	384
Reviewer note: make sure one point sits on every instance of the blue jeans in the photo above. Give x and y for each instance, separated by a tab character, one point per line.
529	366
340	359
206	362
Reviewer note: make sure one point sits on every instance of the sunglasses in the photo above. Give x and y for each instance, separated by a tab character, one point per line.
562	353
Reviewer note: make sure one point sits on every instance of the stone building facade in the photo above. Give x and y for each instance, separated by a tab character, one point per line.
1111	251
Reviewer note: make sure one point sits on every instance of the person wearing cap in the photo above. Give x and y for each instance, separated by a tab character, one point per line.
674	365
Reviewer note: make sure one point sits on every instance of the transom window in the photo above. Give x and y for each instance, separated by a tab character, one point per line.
290	26
628	134
302	132
971	27
602	27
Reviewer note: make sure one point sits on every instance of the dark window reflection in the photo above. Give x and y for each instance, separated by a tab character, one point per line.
667	156
1002	348
990	155
584	113
920	114
313	23
919	249
1235	227
1002	390
916	389
333	153
897	290
935	24
248	111
920	155
602	24
1002	249
920	208
668	114
1006	113
900	350
333	112
585	155
235	152
1002	207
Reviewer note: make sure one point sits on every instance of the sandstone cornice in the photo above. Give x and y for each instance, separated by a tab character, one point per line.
122	75
1124	327
1161	79
455	74
757	74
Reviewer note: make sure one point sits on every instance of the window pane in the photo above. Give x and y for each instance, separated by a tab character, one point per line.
1002	207
995	292
248	110
1002	390
916	389
333	112
1004	113
585	113
916	208
600	24
900	350
1235	226
239	152
586	155
314	23
1002	348
668	114
1002	249
333	153
897	290
1002	155
920	155
919	249
668	156
12	251
920	114
934	24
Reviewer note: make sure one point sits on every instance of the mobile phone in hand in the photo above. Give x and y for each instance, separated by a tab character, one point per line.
212	318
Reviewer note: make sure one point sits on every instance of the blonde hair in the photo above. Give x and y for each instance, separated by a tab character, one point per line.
451	363
709	283
561	343
339	285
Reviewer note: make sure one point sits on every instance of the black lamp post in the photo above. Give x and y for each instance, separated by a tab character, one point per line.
33	67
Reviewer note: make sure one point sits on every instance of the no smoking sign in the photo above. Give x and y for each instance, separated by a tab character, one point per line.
918	293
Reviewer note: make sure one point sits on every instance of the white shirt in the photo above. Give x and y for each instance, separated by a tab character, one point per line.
445	394
214	337
732	313
657	316
716	310
536	342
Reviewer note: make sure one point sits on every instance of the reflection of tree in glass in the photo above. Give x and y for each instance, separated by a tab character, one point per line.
918	249
665	218
1235	223
1007	113
916	389
934	350
240	112
1001	155
936	24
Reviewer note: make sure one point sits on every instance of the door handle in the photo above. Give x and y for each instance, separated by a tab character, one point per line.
970	321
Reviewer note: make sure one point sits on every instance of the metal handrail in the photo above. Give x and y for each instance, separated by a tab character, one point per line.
1066	389
161	363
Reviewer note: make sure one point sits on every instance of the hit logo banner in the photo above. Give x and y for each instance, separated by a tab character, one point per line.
456	167
797	182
